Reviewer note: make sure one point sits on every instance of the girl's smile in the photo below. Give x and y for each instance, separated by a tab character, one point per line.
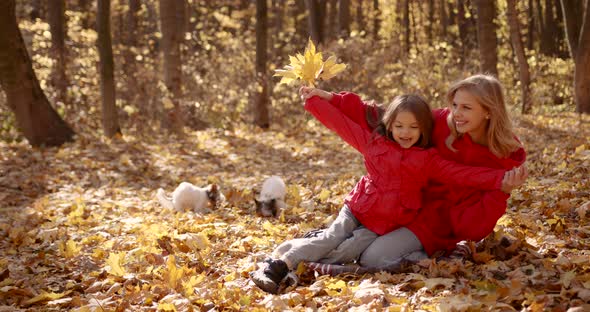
405	129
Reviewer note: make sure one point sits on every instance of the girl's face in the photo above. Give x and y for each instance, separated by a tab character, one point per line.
405	129
469	116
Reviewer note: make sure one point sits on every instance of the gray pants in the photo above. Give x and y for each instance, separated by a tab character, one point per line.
317	248
388	249
374	251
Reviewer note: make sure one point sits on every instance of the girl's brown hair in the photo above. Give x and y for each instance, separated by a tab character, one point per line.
381	119
487	91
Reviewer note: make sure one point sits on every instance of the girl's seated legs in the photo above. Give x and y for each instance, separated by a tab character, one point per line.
388	249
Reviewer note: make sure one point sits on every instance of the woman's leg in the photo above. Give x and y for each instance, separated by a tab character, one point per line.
388	249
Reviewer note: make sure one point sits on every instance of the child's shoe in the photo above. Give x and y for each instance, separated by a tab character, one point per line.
269	275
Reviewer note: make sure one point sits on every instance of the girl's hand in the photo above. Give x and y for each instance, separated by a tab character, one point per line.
308	92
514	178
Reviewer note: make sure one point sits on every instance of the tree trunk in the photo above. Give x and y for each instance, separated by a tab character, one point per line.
344	18
36	10
531	25
83	5
110	122
58	48
548	39
132	32
444	19
332	27
462	25
35	118
377	19
261	113
406	26
580	51
359	16
486	37
299	19
172	65
523	65
314	17
430	21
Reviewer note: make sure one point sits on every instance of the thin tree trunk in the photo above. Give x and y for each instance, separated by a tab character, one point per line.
84	8
430	21
580	52
314	16
133	95
172	64
549	38
344	18
299	18
531	25
58	33
406	26
486	36
377	20
462	25
110	122
359	16
523	65
444	19
261	112
332	26
35	118
36	10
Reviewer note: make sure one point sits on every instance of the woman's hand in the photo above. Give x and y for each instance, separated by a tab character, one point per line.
308	92
514	178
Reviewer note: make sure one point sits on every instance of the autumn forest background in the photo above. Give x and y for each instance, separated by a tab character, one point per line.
103	102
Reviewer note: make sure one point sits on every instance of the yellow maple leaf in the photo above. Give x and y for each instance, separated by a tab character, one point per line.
174	274
43	296
309	66
115	261
71	249
324	195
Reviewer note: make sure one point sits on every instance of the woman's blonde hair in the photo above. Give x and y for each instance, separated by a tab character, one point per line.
487	91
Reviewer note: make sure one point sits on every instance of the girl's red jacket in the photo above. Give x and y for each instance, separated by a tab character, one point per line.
390	194
449	214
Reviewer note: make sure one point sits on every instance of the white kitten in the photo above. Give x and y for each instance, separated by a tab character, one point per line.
272	197
187	196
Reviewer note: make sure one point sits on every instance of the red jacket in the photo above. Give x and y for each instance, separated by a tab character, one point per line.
449	214
389	195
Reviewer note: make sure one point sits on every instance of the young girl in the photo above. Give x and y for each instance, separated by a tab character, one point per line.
399	165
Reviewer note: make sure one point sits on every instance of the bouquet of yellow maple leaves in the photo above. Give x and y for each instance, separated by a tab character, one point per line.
309	67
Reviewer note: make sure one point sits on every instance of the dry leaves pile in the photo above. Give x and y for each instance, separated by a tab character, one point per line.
80	229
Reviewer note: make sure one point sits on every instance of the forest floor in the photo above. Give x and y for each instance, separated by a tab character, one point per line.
80	229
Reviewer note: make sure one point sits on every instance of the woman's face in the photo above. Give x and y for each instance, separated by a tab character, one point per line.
405	129
469	116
